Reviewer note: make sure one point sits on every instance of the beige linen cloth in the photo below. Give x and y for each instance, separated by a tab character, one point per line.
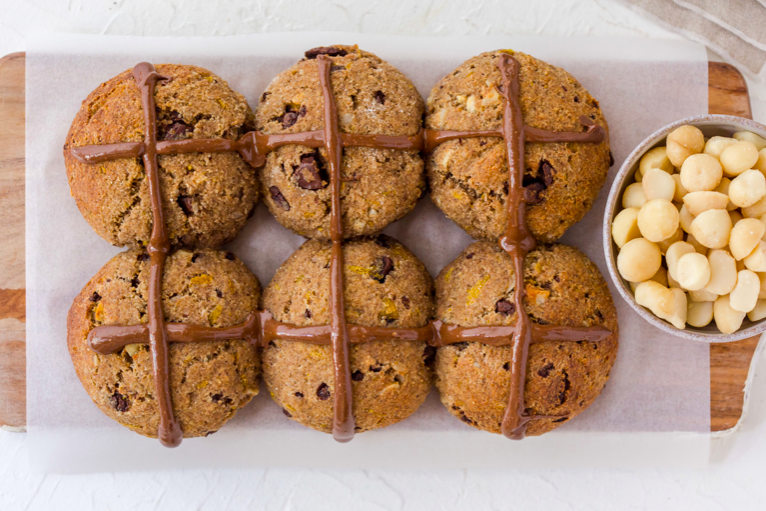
736	29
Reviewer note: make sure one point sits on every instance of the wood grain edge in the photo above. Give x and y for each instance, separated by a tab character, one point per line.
727	91
729	362
12	277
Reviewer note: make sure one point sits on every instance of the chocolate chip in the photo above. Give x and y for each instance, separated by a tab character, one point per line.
287	413
561	419
307	314
311	172
134	282
380	97
557	278
611	159
95	297
461	345
384	266
406	302
186	202
298	395
143	257
376	368
323	392
532	193
230	256
567	386
291	115
278	198
219	398
330	51
194	257
505	307
119	402
176	131
210	432
600	315
505	187
545	370
576	99
507	366
357	376
429	355
547	171
469	256
218	293
482	142
264	96
336	68
288	119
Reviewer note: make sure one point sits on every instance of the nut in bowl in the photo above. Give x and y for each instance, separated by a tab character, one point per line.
685	228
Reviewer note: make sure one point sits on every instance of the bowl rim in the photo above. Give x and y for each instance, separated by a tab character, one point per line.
729	122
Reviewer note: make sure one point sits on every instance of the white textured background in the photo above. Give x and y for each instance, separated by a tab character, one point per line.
734	479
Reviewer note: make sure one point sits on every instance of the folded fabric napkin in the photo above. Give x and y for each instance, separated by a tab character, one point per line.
736	29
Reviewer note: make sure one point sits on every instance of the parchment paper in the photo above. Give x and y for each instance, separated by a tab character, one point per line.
655	409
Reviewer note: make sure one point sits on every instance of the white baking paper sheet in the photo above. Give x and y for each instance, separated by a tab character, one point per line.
655	409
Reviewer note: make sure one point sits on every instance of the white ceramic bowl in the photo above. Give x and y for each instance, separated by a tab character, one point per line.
711	125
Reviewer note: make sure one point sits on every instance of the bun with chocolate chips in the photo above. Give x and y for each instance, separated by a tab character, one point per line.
378	185
209	380
563	378
385	286
206	197
468	177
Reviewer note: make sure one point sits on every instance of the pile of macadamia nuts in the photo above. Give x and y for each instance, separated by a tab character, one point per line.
702	205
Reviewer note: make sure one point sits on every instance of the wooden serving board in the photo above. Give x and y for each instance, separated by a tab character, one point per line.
729	363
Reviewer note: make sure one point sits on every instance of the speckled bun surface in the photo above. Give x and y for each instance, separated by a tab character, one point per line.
209	381
563	378
379	185
385	286
206	197
468	177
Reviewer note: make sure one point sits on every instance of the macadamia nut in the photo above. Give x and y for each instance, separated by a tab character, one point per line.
739	157
638	260
715	146
658	219
658	184
656	297
656	158
759	312
745	293
723	272
699	202
693	271
727	319
747	188
682	142
634	196
757	140
701	173
625	226
745	236
699	314
674	254
711	228
756	261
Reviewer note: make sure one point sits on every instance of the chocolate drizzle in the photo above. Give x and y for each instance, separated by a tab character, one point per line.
260	327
